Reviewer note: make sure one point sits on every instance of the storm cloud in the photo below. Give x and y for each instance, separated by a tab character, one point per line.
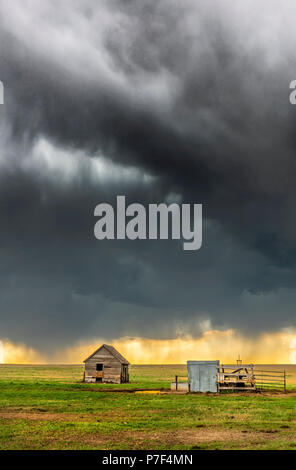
158	101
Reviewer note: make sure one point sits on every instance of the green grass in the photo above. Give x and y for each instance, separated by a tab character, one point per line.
47	407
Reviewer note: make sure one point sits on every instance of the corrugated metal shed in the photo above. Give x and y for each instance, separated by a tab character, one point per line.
202	376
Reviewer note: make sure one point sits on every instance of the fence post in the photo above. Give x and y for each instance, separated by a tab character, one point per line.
176	382
218	385
285	387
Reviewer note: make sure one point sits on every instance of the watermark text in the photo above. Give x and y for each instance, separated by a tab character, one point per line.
161	222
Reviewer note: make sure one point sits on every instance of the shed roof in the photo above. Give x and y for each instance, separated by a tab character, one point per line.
112	351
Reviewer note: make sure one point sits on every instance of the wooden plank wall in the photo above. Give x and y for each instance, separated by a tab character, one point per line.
112	367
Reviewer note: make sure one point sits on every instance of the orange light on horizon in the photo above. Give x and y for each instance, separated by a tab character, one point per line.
268	348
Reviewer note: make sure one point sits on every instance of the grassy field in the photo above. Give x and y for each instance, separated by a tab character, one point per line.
47	407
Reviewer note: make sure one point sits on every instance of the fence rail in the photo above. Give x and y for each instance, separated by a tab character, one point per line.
271	379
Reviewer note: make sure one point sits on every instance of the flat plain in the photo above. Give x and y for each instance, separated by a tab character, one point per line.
48	407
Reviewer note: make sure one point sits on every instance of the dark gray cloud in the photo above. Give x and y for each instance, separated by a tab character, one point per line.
150	100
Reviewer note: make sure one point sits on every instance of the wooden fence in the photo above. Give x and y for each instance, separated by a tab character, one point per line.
235	378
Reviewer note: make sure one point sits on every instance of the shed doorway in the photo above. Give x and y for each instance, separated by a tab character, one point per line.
124	374
99	373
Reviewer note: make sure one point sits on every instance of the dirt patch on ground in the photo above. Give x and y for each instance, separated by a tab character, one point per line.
60	417
43	416
120	390
191	437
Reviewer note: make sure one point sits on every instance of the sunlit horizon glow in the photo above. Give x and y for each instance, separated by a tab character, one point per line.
1	353
268	348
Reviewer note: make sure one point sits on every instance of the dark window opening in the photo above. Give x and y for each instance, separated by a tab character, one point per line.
99	367
99	379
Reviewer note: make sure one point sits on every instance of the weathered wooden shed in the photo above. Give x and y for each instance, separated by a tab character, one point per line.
106	365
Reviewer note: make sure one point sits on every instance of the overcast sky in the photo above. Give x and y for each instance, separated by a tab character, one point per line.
158	101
